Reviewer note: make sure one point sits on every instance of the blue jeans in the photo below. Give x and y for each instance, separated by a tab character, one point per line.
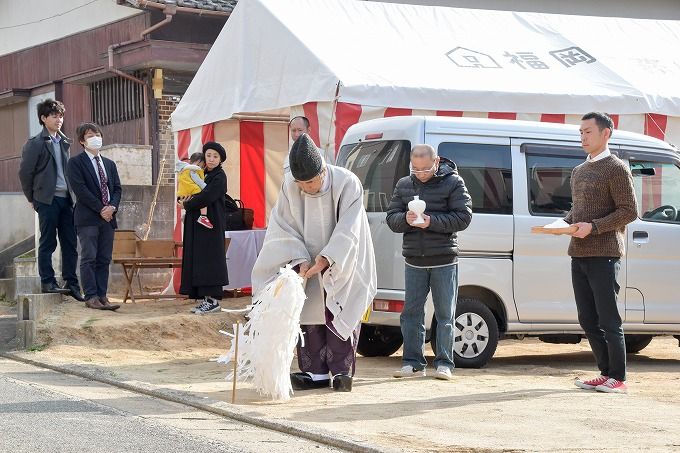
443	281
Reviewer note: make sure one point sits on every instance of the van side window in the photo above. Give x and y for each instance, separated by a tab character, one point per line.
657	189
487	172
549	178
378	165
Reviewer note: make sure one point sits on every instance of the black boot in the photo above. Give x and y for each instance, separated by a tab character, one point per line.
303	381
342	383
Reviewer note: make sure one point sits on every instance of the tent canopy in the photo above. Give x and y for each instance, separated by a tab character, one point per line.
273	55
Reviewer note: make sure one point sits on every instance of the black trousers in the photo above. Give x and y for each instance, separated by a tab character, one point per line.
596	291
96	246
57	219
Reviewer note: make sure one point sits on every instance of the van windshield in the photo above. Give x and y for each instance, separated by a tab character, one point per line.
379	165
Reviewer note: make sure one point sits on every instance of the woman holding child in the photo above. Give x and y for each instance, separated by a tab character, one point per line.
204	266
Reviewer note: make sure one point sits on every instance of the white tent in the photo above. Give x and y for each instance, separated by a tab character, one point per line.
343	61
273	54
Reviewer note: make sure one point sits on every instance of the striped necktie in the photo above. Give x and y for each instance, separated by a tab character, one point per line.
102	182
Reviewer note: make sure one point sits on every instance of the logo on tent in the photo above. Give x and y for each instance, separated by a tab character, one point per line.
571	56
467	58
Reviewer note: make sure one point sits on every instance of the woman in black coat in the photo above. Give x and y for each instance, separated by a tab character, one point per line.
204	265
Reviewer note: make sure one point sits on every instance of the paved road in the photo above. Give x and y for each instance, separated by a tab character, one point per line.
41	410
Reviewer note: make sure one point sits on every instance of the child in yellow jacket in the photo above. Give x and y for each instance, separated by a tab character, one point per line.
190	182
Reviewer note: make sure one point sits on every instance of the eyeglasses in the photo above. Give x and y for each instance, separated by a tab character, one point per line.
417	172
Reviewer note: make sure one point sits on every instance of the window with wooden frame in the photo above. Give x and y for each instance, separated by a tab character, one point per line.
116	99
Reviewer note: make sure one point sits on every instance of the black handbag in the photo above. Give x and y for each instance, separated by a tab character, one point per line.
238	216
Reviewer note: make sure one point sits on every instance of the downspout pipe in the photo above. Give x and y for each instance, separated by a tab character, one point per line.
169	11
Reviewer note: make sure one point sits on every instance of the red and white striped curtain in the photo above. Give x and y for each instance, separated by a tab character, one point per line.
660	126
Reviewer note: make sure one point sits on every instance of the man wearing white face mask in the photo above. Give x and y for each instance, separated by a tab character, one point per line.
95	183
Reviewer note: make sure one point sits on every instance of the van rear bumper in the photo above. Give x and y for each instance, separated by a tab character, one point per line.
385	318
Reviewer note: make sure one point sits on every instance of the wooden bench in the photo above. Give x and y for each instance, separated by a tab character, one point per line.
131	266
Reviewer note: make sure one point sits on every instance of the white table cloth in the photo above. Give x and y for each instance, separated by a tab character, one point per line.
243	250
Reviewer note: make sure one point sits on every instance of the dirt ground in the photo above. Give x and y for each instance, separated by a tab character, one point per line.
524	400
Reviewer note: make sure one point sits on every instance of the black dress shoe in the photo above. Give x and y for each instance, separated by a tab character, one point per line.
303	381
52	288
74	291
342	383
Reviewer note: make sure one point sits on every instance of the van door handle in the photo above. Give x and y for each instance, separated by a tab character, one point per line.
640	237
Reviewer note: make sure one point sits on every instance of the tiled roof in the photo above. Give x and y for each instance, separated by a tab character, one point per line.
226	6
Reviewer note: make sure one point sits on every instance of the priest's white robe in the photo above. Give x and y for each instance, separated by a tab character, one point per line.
331	223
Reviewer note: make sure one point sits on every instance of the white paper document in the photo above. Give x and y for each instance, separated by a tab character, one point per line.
560	223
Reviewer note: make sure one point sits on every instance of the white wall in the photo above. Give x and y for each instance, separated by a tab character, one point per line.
34	126
647	9
17	223
26	23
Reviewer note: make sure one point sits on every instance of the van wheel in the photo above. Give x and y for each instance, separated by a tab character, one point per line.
636	343
475	334
379	341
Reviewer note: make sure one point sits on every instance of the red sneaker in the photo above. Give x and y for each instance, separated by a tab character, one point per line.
590	383
203	220
612	386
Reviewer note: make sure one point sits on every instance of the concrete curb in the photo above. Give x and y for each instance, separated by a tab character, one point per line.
213	406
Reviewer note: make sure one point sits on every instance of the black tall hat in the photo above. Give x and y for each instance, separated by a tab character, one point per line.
305	159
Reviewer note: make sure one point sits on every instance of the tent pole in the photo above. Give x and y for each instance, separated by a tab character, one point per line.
330	125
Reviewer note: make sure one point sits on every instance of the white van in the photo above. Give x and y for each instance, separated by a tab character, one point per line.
514	283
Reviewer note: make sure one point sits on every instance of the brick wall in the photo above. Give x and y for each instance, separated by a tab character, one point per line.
166	105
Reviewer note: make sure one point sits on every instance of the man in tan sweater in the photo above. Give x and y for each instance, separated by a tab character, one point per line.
603	204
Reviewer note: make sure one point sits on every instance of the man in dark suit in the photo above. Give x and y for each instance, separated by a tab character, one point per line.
43	180
96	186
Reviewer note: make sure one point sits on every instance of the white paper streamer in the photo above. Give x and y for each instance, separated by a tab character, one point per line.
267	341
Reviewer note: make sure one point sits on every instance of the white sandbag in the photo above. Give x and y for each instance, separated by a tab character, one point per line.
267	341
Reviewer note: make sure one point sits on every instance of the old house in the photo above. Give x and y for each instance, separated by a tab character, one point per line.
122	64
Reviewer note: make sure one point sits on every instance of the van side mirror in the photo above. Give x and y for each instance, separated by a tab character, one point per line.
642	171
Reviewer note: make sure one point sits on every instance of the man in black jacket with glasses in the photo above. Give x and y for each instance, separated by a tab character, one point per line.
431	250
